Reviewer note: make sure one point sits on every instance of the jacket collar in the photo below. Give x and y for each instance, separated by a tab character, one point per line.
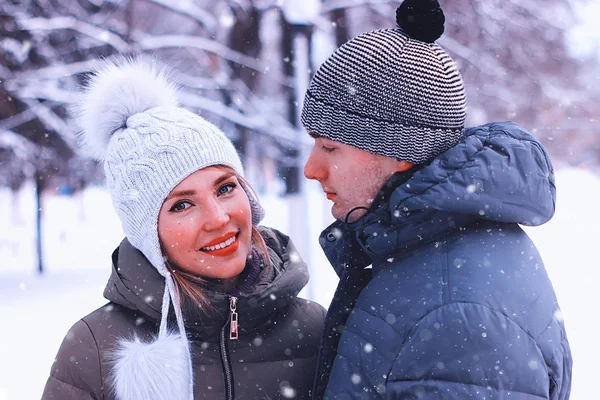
497	172
136	285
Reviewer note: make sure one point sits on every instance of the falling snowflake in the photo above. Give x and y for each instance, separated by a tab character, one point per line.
226	19
295	257
390	319
533	365
558	315
286	390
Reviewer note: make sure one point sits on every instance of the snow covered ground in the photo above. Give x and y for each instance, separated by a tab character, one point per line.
81	232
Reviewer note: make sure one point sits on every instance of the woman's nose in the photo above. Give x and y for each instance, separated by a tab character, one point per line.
217	216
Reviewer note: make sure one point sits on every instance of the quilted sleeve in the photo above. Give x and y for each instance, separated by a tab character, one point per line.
467	350
75	374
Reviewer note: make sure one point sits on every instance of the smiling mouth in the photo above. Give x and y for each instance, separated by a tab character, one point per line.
222	245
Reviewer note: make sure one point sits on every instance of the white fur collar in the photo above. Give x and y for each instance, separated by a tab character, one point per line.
155	370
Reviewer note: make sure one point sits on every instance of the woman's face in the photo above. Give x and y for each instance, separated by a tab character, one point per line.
205	224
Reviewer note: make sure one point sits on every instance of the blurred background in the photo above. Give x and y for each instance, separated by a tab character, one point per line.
245	65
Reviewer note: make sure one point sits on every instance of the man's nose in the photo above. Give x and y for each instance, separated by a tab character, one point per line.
313	169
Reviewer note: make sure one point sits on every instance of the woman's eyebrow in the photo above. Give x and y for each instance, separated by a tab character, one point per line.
191	192
181	193
223	177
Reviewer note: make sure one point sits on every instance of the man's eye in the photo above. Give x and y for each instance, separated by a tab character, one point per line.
180	206
327	149
227	188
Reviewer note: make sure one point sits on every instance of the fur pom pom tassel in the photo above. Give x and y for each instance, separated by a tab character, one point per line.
155	370
115	92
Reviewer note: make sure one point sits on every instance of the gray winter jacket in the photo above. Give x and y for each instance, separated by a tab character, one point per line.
273	358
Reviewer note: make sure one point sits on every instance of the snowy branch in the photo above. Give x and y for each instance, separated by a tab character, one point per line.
267	123
16	120
548	17
333	5
57	70
46	92
52	122
44	114
283	132
22	147
5	72
58	23
481	62
212	46
189	9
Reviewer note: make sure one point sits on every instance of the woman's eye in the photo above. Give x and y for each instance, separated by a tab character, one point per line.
327	149
180	206
227	188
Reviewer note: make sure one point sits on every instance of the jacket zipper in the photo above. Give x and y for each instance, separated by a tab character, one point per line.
233	318
223	348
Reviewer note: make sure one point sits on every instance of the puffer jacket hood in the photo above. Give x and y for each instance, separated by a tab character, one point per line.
498	172
134	284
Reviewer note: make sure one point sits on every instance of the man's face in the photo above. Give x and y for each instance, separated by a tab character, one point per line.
350	177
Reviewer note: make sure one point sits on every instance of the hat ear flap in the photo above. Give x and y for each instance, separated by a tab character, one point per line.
258	212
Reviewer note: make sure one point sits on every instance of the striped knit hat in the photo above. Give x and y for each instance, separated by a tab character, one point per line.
393	92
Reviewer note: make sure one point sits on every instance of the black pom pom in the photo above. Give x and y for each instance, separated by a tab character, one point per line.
421	19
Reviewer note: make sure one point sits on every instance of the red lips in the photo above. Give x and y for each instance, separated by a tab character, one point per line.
219	239
225	251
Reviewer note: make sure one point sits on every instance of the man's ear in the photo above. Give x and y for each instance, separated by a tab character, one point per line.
404	166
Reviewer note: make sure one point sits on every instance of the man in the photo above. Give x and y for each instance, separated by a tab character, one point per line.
456	303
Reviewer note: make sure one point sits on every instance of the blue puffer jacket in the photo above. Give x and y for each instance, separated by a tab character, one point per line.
457	304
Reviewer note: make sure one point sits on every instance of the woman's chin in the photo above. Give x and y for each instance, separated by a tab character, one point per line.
227	270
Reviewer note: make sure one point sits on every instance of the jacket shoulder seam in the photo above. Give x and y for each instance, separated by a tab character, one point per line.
412	330
468	303
99	359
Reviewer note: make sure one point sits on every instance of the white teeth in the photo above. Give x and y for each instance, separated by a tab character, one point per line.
222	245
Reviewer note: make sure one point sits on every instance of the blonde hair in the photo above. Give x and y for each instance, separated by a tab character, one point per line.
191	287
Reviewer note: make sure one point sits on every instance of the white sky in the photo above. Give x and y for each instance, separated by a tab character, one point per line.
585	38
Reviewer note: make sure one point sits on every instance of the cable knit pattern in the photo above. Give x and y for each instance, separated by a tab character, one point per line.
147	159
389	94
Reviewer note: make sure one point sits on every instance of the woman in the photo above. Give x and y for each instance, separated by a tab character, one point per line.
202	302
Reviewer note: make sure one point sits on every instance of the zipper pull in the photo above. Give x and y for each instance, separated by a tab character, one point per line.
233	318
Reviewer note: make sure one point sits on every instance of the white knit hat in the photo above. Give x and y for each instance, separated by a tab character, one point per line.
130	119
